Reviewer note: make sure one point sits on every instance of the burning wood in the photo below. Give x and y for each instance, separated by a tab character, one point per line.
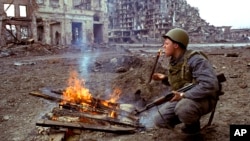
65	115
120	109
101	110
79	109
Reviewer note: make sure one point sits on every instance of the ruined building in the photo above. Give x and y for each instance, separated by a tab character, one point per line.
80	22
53	21
15	25
147	20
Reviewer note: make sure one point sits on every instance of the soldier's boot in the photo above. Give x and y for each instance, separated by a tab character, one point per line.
192	129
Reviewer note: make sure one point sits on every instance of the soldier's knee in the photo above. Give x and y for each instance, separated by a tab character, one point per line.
183	106
187	111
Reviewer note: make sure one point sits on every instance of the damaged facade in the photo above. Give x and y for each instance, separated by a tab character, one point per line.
136	20
57	22
147	20
80	22
16	24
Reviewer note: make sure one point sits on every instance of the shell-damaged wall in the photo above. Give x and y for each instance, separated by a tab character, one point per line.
146	20
70	21
58	22
14	22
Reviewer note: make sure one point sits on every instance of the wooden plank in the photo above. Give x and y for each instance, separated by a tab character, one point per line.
39	94
125	121
100	110
82	126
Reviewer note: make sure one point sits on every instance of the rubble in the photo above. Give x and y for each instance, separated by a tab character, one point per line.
145	21
132	21
53	22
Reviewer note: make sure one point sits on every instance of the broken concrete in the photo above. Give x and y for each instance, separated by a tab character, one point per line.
85	22
145	21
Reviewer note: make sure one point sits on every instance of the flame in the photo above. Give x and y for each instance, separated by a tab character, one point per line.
54	118
115	95
76	93
113	114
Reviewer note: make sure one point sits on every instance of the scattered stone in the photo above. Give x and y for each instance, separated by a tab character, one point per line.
6	118
114	61
24	63
121	70
42	130
234	76
4	54
243	85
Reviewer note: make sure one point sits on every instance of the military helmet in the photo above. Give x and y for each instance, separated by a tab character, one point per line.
178	35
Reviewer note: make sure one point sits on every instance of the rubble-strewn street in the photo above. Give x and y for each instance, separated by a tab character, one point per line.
25	69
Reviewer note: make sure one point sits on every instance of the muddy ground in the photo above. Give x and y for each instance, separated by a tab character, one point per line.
32	67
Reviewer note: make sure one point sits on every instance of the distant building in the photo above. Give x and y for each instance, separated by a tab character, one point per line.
147	20
240	35
81	22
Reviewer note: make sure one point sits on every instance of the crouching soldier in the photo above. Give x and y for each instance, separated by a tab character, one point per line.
186	66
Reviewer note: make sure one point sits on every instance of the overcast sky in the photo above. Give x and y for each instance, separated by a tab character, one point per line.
235	13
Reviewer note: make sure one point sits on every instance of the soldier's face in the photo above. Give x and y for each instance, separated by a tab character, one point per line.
169	47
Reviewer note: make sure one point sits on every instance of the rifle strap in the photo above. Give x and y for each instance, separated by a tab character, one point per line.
168	126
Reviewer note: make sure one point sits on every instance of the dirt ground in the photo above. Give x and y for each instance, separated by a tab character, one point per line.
28	68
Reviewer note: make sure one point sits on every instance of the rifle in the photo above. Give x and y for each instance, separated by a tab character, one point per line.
164	99
169	96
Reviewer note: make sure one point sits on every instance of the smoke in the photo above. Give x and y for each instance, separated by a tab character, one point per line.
147	119
87	66
84	63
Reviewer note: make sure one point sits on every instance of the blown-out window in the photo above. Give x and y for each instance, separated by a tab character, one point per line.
23	11
11	32
82	4
10	10
24	32
54	3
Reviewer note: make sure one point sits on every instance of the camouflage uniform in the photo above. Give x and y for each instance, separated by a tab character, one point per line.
191	67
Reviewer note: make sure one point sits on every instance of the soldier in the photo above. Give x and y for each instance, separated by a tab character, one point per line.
186	66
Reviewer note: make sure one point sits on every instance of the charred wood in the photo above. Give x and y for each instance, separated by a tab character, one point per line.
38	94
100	118
80	125
99	110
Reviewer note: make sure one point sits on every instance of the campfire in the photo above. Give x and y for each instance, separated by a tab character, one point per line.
78	97
79	109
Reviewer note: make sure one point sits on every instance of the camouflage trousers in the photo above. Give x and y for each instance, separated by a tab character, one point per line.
185	111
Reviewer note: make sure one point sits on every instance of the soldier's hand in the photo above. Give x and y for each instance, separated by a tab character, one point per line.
177	96
158	76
